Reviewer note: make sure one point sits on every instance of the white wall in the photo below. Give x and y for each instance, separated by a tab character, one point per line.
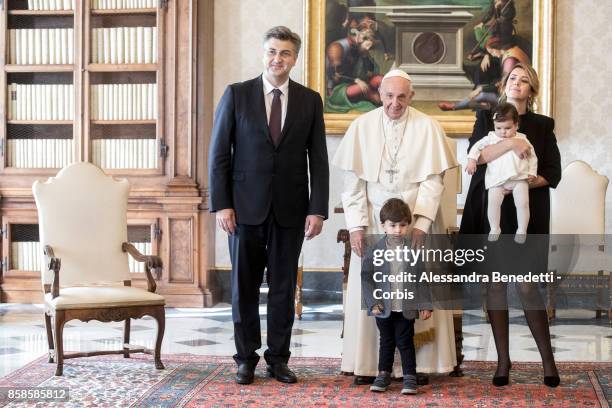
583	89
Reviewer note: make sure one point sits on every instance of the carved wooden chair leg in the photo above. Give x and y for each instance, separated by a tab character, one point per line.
599	287
550	301
484	303
344	237
160	316
126	338
59	321
458	329
49	337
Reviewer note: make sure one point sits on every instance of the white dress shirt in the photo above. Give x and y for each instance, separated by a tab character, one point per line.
268	96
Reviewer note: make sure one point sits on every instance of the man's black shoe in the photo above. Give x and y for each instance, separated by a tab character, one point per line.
364	380
282	373
422	379
245	374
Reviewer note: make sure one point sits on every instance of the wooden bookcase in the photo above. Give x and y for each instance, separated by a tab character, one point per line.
157	151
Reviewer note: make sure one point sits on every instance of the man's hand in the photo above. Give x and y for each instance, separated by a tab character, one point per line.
418	238
357	238
313	226
226	219
424	314
520	147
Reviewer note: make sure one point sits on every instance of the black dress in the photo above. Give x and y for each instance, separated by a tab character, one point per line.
539	130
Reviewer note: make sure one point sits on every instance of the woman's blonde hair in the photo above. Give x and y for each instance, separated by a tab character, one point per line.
534	83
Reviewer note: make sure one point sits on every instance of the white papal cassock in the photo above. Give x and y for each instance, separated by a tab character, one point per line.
419	147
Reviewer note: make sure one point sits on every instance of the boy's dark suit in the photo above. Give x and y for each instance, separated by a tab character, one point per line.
268	187
421	291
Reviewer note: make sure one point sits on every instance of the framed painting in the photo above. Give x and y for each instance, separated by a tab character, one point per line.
455	51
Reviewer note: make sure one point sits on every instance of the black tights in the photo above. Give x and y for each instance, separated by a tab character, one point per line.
537	319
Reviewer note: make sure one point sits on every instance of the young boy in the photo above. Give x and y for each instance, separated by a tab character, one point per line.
394	317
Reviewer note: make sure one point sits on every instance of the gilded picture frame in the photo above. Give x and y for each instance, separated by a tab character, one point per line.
455	124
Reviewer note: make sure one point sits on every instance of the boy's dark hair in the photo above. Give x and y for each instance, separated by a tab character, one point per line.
283	33
395	210
505	111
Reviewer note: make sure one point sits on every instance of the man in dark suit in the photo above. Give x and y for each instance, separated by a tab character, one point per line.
267	137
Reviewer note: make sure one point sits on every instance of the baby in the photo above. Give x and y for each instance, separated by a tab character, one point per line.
507	172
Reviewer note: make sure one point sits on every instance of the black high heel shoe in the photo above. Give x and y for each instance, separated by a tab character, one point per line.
500	381
552	381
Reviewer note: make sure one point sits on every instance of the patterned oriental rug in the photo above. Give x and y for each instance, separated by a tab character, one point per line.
201	381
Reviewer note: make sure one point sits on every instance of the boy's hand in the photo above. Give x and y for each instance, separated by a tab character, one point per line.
424	314
377	310
470	168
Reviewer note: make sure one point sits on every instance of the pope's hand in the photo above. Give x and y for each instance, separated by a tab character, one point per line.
357	241
418	238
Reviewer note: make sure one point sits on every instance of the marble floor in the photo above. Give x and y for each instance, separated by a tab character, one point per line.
577	335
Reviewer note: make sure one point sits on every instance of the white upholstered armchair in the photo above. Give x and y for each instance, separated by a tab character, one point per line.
577	214
85	275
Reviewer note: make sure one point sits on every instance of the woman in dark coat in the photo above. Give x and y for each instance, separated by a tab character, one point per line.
519	87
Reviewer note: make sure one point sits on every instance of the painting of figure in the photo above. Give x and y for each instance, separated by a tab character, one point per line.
456	51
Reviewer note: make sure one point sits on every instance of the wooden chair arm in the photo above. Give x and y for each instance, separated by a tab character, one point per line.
152	262
53	264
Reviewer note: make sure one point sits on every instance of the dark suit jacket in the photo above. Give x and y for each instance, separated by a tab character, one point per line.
410	307
247	173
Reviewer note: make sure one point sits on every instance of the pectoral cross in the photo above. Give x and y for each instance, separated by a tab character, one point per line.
391	172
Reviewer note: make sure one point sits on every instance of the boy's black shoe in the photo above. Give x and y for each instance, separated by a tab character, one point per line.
410	384
382	381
